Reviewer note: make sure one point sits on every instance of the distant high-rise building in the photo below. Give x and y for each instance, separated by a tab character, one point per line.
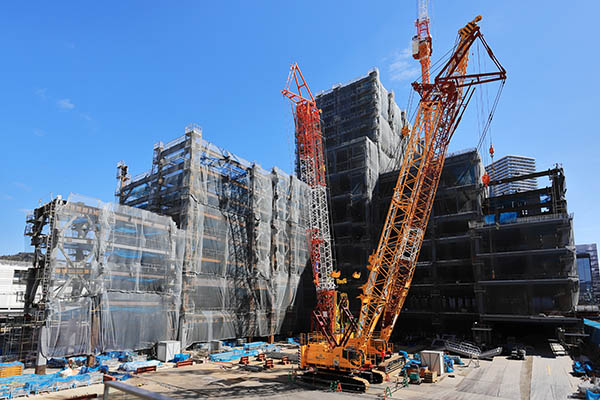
507	167
589	273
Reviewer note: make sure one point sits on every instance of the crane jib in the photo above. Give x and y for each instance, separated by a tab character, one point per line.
440	109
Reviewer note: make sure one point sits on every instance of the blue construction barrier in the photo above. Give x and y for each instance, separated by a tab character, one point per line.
15	386
180	357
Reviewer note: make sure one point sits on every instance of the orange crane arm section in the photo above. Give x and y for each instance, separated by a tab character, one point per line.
392	265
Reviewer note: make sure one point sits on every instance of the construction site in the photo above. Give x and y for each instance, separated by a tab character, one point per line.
384	266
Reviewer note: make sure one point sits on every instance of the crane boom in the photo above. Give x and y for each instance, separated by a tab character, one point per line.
311	168
392	265
351	356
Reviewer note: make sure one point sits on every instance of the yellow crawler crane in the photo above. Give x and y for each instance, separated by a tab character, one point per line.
351	358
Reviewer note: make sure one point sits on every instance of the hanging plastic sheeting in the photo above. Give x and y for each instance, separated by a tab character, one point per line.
245	242
112	269
245	247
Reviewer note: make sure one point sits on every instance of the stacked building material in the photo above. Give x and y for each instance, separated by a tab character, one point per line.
11	369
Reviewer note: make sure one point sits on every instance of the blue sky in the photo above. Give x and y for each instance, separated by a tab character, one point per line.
86	84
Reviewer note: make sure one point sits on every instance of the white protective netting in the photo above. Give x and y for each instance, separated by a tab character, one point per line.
244	254
112	270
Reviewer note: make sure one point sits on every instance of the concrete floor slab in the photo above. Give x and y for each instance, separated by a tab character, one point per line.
501	379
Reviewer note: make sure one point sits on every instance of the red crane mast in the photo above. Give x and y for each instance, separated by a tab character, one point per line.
311	169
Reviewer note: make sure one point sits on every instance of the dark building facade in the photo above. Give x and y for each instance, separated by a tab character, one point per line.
486	262
362	127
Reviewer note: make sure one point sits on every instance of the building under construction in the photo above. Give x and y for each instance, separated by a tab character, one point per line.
214	246
362	129
491	267
206	245
245	242
100	271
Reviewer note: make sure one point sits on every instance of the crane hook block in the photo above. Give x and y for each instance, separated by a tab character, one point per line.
485	179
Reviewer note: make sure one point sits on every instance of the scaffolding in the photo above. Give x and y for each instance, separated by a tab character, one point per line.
491	263
362	128
245	246
100	272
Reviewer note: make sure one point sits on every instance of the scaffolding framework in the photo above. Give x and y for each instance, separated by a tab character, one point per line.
100	272
489	262
245	245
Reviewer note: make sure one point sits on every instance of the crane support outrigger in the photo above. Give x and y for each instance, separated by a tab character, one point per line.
391	267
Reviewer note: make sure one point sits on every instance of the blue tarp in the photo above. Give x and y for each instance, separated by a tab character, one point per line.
180	357
508	217
249	349
593	329
489	219
448	364
294	341
132	366
578	369
14	386
591	395
254	345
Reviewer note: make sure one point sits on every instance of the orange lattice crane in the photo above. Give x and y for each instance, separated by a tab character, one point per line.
311	170
391	266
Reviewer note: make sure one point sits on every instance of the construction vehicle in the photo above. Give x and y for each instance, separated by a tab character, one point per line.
311	170
351	358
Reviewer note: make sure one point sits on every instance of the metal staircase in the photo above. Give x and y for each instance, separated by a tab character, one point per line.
464	349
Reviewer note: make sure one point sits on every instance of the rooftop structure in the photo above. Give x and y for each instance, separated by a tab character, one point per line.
13	280
508	167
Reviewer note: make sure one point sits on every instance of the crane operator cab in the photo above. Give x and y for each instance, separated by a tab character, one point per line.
355	357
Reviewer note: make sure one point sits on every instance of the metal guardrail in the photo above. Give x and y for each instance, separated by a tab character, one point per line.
115	390
464	349
534	218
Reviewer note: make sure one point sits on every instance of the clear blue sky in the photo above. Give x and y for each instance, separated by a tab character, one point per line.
86	84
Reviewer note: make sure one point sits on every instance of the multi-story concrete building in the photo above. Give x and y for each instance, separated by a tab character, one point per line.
490	264
362	127
478	271
508	167
589	274
13	280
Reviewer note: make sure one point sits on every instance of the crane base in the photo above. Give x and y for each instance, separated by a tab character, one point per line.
347	382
